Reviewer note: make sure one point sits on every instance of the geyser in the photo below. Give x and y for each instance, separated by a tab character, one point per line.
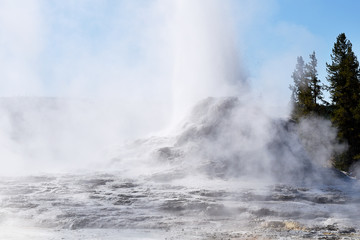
205	59
229	170
230	138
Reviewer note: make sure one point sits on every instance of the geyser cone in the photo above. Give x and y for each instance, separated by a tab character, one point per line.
230	138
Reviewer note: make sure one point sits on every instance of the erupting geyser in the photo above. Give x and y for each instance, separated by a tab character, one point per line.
230	138
206	60
227	170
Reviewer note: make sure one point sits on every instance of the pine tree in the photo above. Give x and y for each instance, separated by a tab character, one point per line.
298	76
306	91
298	89
314	82
344	88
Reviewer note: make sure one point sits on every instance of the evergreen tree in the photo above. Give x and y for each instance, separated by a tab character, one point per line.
298	89
344	88
306	91
314	82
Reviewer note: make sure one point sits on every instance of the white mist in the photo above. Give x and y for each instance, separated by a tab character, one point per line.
206	60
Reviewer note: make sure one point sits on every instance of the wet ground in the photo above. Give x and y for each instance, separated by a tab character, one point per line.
106	206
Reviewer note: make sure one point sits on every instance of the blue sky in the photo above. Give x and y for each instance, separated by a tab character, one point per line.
282	30
123	48
325	20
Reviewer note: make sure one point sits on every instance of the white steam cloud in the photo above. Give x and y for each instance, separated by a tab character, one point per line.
143	72
319	138
227	138
206	59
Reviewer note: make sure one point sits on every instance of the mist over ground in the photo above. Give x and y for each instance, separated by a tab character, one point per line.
159	131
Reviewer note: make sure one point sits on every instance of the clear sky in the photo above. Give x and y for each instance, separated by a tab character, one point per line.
120	47
280	30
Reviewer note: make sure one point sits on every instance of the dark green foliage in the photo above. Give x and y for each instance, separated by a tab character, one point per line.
306	91
314	83
344	88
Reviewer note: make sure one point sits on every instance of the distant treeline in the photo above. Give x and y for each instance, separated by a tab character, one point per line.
343	109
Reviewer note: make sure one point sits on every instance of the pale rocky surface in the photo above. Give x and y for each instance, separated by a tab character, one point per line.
106	206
